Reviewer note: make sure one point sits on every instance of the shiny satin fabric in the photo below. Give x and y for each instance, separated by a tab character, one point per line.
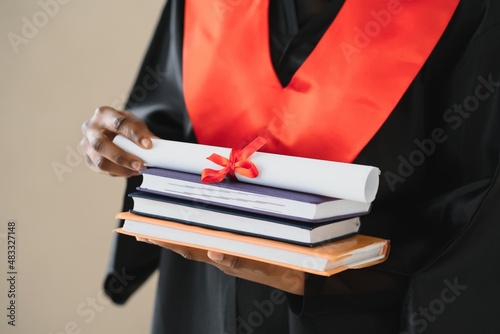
232	92
438	202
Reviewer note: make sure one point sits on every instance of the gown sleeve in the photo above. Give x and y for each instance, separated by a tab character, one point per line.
156	97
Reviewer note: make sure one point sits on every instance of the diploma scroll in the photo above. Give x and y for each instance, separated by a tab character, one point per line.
327	178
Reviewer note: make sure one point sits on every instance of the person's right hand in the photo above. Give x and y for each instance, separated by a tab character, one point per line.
102	155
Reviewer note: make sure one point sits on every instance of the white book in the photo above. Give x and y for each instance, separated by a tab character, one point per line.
242	222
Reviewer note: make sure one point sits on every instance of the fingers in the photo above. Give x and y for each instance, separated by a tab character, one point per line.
260	272
227	263
105	157
233	263
188	253
264	273
125	124
101	154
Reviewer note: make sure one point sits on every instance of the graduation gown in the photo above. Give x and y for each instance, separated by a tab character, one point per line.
438	152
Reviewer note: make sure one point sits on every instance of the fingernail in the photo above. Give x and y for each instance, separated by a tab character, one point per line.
145	142
217	257
136	165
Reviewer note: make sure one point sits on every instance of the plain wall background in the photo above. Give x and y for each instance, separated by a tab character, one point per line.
83	54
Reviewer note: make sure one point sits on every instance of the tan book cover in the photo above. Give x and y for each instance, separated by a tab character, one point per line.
357	251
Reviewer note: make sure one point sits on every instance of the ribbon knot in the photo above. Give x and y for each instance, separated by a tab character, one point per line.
237	163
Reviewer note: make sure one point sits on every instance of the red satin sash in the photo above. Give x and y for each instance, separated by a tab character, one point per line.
336	101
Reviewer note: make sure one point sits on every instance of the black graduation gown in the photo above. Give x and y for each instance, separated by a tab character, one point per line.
438	200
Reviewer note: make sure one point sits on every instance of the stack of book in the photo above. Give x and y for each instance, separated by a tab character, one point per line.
309	231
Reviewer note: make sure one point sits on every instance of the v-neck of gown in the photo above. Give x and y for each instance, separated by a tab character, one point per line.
294	34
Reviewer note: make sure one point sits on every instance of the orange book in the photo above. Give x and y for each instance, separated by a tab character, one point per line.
357	251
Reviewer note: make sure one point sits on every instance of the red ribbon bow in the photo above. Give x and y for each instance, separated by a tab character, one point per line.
236	164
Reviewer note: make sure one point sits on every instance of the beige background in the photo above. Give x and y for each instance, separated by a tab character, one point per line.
83	55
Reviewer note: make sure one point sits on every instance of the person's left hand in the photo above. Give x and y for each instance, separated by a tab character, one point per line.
282	278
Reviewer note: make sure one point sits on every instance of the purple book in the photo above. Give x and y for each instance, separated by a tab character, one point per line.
250	197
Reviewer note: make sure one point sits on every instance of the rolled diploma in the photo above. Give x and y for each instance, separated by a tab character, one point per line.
327	178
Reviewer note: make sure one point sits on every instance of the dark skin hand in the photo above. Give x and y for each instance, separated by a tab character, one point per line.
103	156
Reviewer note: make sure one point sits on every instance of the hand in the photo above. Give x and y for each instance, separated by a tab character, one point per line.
102	155
282	278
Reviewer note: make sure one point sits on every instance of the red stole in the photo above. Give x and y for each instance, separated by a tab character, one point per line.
336	101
